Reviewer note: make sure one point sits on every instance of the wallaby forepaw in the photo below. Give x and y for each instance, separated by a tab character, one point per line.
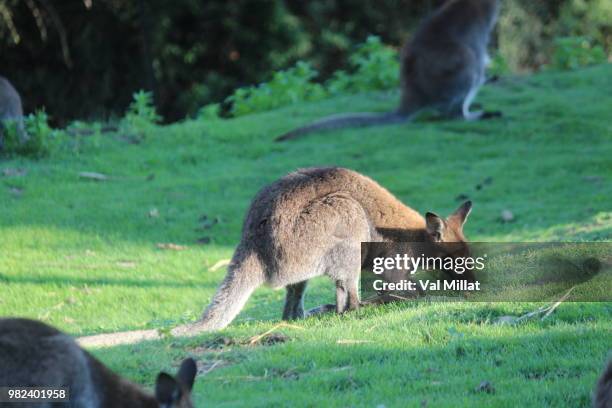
296	316
319	310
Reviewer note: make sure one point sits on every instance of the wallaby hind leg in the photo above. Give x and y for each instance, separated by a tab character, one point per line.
469	98
347	295
341	225
465	107
353	295
294	301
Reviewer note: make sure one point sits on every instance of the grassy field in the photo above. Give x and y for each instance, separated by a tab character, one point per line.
85	255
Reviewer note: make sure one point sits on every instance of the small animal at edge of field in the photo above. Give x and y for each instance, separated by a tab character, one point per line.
603	391
10	110
442	67
34	354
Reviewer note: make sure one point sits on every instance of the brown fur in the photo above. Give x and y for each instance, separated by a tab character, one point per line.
33	354
603	393
442	67
10	109
311	223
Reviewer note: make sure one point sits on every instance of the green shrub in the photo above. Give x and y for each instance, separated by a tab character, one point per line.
528	31
499	65
211	111
286	87
575	52
374	66
35	143
141	114
586	18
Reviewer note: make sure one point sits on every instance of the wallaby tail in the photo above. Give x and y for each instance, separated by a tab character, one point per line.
244	275
603	393
346	120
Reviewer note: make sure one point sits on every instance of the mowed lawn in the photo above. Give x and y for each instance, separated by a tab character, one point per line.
93	256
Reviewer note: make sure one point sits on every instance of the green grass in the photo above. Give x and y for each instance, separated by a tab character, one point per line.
83	255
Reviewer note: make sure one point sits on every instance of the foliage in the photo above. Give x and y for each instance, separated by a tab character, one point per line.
498	65
285	87
34	143
211	111
374	66
591	19
527	31
141	113
575	52
334	27
194	53
188	53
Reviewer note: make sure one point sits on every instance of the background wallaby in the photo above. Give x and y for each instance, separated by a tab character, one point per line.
442	67
10	109
33	354
311	223
603	393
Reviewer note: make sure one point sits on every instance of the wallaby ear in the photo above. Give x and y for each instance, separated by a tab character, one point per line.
461	213
167	390
187	373
435	225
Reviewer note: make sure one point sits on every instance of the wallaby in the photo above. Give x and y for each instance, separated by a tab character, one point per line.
603	393
442	67
11	110
311	223
33	354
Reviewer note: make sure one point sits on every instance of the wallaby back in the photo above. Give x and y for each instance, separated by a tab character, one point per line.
281	206
33	354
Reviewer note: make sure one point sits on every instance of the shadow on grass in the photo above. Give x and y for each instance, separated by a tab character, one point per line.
546	368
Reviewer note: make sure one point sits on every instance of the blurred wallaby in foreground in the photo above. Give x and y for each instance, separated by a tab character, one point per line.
442	67
603	393
33	354
311	223
11	110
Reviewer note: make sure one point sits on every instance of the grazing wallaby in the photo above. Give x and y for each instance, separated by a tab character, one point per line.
603	393
10	109
442	67
311	223
33	354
